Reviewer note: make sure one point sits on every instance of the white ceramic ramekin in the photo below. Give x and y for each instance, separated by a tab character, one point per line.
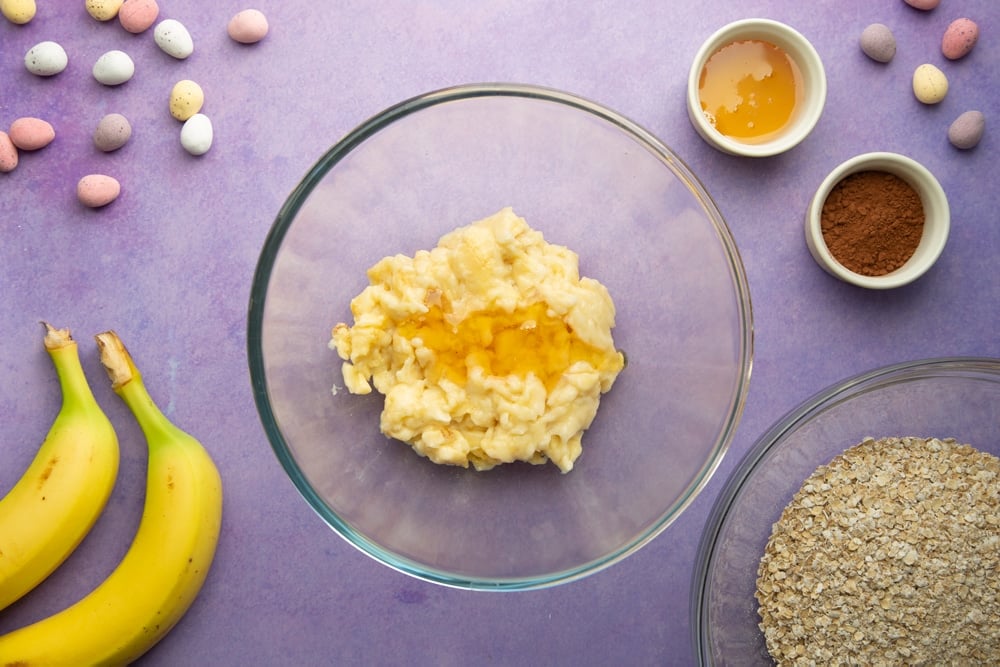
937	219
813	78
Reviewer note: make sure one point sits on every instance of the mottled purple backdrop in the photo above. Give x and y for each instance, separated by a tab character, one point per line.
170	263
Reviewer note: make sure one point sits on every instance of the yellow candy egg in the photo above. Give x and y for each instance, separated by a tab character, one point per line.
186	99
930	85
104	10
18	11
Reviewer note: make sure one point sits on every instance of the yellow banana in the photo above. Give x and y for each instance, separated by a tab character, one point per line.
166	565
53	506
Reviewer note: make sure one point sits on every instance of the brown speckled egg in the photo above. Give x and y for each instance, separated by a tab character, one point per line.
925	5
878	42
959	38
967	130
113	131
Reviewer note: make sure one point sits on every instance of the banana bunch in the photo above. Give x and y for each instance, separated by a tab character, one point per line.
164	569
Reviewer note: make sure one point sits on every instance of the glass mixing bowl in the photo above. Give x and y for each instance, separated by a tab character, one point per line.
641	223
956	397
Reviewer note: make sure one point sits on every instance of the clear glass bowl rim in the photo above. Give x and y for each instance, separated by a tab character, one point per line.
848	388
286	216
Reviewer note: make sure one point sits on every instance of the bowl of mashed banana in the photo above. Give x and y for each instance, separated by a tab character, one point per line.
499	337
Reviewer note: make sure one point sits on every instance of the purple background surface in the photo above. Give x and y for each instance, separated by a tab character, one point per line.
169	266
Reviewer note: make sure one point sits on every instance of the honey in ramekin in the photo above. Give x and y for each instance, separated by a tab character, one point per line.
750	89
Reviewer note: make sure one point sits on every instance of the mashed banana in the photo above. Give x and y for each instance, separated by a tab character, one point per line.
489	349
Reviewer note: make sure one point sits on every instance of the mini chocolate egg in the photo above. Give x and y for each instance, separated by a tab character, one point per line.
186	99
113	131
31	134
173	38
967	130
46	59
930	85
248	26
878	42
96	190
103	10
959	38
138	15
8	153
114	68
925	5
197	134
18	12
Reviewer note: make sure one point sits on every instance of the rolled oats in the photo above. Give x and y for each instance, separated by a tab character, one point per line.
889	554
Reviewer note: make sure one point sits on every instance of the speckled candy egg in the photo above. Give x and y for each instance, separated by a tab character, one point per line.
96	190
878	42
967	130
248	27
113	131
31	134
114	68
173	38
186	99
959	38
46	59
8	153
930	85
18	11
138	15
103	10
925	5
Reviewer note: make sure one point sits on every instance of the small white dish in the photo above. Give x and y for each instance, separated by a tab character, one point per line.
937	219
799	49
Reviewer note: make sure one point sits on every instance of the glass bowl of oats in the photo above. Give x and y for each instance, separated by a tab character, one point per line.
863	527
474	350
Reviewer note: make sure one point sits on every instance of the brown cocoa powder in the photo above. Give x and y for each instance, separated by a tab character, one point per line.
872	222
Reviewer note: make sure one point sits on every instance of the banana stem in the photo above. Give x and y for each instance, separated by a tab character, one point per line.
126	381
65	356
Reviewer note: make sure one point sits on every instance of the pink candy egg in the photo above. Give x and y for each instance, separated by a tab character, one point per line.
30	134
8	153
959	38
925	5
248	27
96	190
138	15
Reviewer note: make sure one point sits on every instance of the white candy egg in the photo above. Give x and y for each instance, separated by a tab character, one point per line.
46	59
173	38
114	68
196	134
